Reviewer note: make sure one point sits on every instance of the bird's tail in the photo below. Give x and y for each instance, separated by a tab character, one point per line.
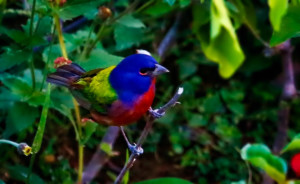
66	75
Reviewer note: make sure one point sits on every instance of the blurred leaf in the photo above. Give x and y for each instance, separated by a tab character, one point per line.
2	182
165	181
170	2
37	142
293	182
107	148
293	145
20	117
260	156
289	26
239	182
130	21
100	59
19	173
75	8
245	13
186	69
221	43
13	57
158	9
127	37
89	129
197	120
278	9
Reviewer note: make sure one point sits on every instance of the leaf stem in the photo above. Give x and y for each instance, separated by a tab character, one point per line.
4	141
60	37
32	17
80	162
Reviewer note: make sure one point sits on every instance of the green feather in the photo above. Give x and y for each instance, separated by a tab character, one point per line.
97	89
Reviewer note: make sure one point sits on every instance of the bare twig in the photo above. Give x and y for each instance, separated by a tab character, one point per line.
100	157
289	92
145	132
169	38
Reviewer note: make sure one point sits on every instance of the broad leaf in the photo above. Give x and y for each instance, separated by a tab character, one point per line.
278	9
127	37
12	58
220	44
20	117
293	145
100	59
165	181
130	21
289	26
260	156
19	173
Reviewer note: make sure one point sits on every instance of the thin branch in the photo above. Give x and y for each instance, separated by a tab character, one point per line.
145	132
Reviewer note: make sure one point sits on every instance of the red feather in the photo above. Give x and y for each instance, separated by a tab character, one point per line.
120	115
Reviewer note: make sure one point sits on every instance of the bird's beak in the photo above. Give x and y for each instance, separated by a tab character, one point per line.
159	70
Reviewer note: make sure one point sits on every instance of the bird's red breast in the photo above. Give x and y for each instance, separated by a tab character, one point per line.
121	114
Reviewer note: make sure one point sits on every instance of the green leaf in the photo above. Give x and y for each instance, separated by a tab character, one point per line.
75	8
293	182
100	59
167	180
220	44
18	86
170	2
2	182
289	26
127	37
130	21
20	117
19	173
293	145
37	142
260	156
11	58
158	9
278	9
89	129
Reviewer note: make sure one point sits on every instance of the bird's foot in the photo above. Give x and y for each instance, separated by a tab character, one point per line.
155	113
137	150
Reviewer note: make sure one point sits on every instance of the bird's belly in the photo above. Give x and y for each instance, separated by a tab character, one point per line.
121	114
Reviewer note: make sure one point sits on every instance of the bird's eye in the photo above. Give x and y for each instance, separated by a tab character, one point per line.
145	71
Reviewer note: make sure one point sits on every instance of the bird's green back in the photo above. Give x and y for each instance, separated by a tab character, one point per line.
96	88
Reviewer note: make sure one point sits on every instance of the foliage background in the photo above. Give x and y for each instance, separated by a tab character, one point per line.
226	104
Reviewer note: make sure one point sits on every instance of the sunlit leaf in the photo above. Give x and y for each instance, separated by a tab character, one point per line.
289	26
277	10
260	156
220	44
89	129
293	145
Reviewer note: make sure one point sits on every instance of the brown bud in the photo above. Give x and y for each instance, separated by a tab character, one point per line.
104	12
49	158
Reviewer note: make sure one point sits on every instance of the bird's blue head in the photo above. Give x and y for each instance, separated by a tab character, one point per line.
133	76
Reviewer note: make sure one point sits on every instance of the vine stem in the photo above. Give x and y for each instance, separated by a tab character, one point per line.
149	123
76	108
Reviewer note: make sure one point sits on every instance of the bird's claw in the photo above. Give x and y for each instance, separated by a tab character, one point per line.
155	113
137	150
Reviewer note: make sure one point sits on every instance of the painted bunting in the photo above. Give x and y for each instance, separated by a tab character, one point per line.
117	95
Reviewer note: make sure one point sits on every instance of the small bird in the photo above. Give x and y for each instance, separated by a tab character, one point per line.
117	95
